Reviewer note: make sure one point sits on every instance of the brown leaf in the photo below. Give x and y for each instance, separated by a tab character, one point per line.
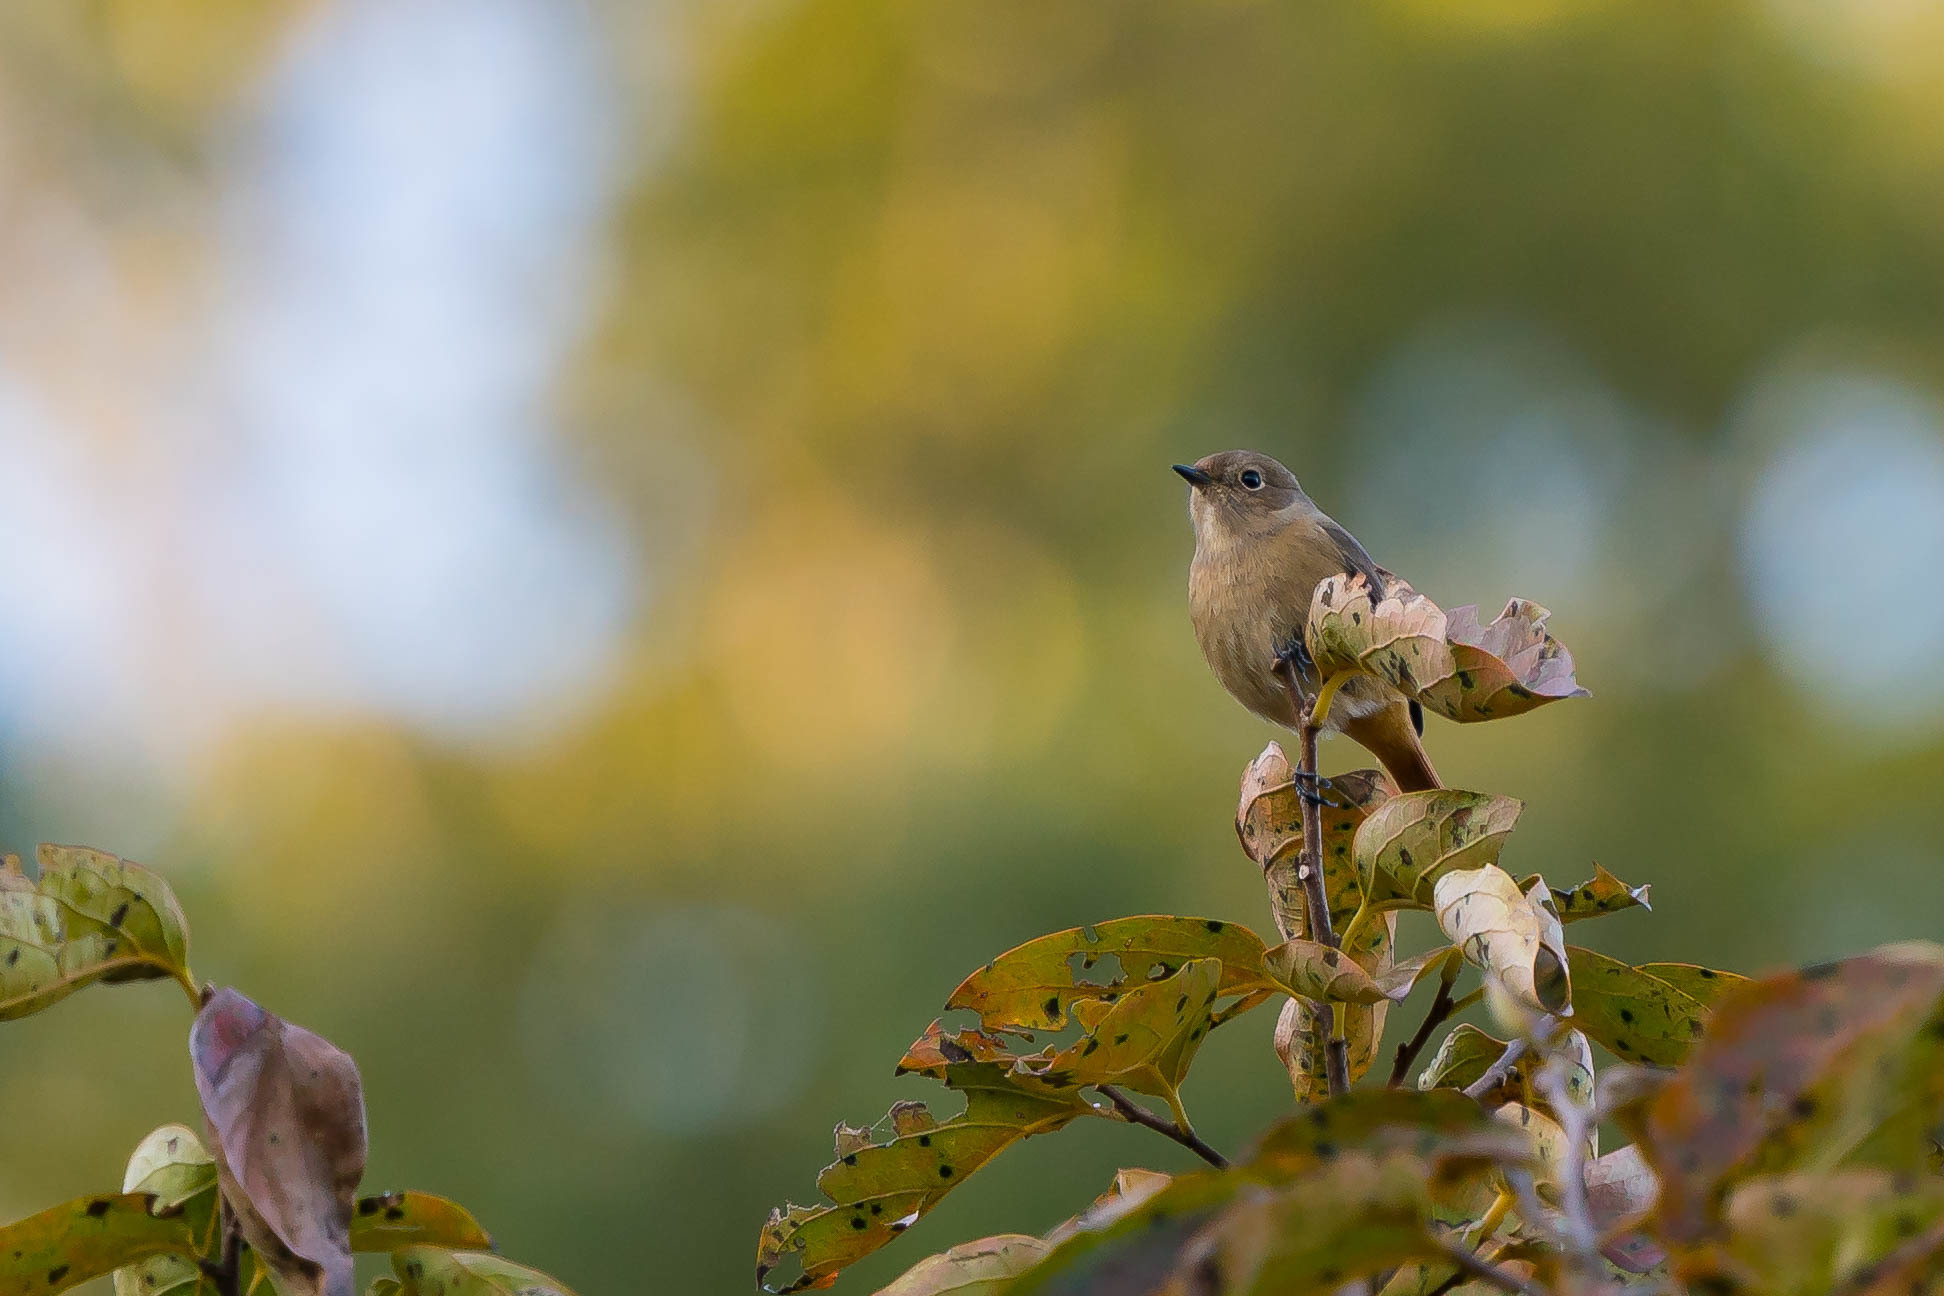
1795	1070
1502	669
285	1110
1620	1191
1601	894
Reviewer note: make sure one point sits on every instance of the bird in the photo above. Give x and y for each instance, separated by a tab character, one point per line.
1261	548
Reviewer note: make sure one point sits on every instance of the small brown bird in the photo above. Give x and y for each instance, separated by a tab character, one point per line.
1261	548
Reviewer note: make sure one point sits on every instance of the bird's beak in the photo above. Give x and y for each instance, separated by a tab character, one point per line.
1195	476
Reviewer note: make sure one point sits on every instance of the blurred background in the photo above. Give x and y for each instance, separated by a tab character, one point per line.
613	551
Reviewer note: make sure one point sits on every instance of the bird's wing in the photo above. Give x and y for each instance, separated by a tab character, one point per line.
1355	560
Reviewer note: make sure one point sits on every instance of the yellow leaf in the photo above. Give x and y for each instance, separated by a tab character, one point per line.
981	1268
1511	937
1414	839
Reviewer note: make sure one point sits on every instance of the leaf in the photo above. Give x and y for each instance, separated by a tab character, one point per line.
1547	1141
1411	841
392	1220
1145	1040
1369	1119
66	1245
1703	985
285	1108
1808	1234
1317	971
939	1048
1796	1071
1620	1192
1602	894
429	1271
980	1268
1508	935
1130	1189
880	1190
1502	669
1632	1013
1032	986
1448	662
1463	1057
90	917
174	1167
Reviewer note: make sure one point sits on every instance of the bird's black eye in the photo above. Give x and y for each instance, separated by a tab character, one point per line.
1251	479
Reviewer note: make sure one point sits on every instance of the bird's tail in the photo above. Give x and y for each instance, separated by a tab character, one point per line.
1389	736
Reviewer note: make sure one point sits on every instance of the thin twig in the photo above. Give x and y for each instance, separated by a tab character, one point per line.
1316	897
226	1275
1472	1266
1575	1119
1496	1073
1441	1008
1181	1134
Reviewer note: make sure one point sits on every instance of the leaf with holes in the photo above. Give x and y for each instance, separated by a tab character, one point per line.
1145	1040
285	1108
1602	894
1632	1013
66	1245
1032	986
1411	841
879	1190
1799	1071
89	917
430	1271
1508	935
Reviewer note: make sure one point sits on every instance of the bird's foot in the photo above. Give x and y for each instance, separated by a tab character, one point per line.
1294	658
1316	792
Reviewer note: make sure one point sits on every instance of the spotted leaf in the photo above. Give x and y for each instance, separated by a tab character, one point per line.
1510	936
1633	1014
430	1271
89	917
1411	841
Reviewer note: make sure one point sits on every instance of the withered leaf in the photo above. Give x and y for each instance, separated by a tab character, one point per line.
1809	1234
878	1191
1145	1040
285	1111
1620	1191
1796	1070
981	1268
1131	1188
1601	894
1411	841
1313	970
1510	936
1448	662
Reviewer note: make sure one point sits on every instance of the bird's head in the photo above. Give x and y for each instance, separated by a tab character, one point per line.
1238	493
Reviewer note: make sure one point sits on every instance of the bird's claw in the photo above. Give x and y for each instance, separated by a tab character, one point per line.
1314	793
1295	655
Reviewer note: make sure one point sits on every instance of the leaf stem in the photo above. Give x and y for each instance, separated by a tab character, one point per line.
1496	1073
1178	1129
1316	898
224	1275
1435	1016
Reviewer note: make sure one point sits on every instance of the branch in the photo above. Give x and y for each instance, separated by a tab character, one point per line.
226	1275
1316	898
1496	1073
1441	1009
1575	1119
1176	1130
1471	1266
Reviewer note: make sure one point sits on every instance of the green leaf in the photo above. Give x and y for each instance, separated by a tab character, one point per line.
878	1190
1369	1119
1800	1070
981	1268
1512	937
90	917
430	1271
392	1220
1410	841
1633	1014
1703	985
1463	1057
66	1245
174	1167
1032	986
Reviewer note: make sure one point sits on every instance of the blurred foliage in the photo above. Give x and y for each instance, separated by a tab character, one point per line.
902	313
